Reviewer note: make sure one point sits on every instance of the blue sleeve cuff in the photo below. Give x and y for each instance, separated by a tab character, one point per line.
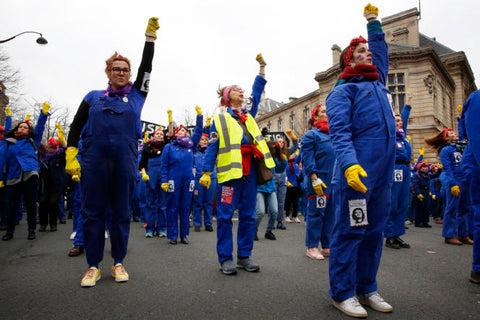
374	26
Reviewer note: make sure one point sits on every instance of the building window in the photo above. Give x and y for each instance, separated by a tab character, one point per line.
292	121
280	126
269	125
396	85
306	116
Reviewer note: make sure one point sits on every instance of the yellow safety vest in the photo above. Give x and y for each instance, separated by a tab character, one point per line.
230	134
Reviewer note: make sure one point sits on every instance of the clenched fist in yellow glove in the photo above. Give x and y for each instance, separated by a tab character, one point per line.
76	178
61	134
45	108
165	186
27	117
72	166
170	118
318	185
421	151
420	197
455	190
260	60
205	180
353	174
289	184
289	133
8	112
152	28
145	137
199	110
209	120
145	176
370	12
459	109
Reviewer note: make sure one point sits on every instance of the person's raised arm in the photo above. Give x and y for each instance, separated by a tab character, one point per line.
142	81
376	42
197	133
258	85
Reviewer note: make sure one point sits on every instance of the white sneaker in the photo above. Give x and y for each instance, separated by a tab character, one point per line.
287	219
376	302
72	236
297	220
106	234
351	307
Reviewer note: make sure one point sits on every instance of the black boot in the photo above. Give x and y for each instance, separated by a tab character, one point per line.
391	243
401	243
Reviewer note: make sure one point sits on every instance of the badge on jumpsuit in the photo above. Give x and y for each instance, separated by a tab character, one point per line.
358	212
192	186
321	202
227	195
171	186
398	175
458	157
125	99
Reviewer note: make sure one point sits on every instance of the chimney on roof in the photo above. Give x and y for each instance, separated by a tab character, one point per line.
336	51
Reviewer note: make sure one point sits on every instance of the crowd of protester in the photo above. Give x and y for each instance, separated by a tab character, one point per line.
351	177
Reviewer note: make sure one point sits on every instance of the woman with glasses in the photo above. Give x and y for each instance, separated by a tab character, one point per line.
109	122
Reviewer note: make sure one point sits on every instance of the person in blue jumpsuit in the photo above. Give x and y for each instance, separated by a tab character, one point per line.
362	131
470	126
203	197
3	148
109	122
318	159
293	190
150	169
233	193
401	182
422	195
178	180
457	196
21	171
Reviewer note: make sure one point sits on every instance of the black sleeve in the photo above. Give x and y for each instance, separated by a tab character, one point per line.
144	159
78	123
143	74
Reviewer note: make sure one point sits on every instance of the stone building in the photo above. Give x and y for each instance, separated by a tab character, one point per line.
439	77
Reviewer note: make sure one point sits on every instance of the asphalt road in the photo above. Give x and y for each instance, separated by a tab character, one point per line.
39	281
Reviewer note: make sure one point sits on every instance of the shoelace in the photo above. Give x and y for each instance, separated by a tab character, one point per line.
90	273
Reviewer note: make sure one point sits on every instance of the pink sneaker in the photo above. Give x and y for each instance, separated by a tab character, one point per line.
314	254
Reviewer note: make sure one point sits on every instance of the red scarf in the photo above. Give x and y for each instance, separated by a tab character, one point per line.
322	125
241	115
361	70
290	164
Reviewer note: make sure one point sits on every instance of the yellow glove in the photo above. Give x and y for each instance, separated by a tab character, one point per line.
8	112
27	117
289	184
318	186
421	151
260	60
145	137
152	27
199	110
145	176
455	190
73	166
170	118
2	184
459	109
164	186
353	174
420	197
434	197
409	138
209	120
45	108
76	178
370	12
291	135
205	180
440	166
61	134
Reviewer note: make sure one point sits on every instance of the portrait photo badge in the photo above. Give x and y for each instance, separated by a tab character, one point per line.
358	212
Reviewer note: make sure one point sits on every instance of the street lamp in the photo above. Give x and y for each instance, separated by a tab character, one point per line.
40	40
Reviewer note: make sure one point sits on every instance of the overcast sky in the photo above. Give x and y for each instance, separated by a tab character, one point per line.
203	44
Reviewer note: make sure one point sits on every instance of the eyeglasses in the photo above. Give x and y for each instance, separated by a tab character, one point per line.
237	89
119	70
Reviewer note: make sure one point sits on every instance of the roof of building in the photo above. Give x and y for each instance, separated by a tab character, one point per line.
439	48
268	105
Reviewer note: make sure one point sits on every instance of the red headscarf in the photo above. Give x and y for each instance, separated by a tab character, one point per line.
444	133
353	44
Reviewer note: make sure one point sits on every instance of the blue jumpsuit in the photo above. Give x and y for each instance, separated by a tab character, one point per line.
109	161
457	208
318	157
362	130
202	197
177	171
470	115
237	193
401	181
3	148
